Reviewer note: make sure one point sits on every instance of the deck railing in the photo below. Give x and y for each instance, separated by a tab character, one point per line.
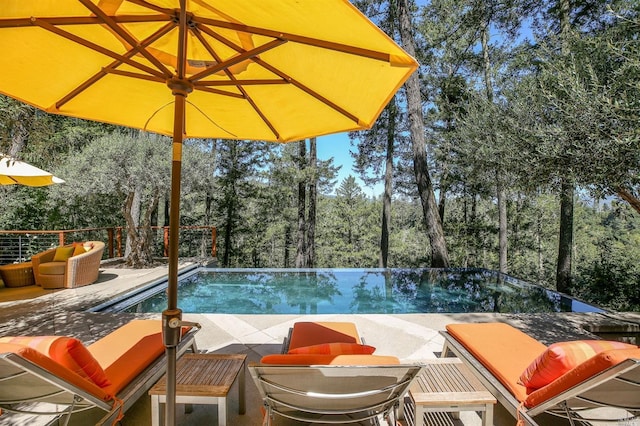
19	246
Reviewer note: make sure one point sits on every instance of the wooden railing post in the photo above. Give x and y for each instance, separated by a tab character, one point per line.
214	249
119	240
166	241
110	242
61	238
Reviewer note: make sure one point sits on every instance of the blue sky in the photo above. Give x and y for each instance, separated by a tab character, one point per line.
338	147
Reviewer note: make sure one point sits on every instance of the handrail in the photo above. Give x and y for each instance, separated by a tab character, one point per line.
20	245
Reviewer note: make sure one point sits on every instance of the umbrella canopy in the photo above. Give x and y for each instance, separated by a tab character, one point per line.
14	172
267	69
275	70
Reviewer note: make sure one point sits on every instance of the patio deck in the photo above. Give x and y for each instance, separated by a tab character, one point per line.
411	337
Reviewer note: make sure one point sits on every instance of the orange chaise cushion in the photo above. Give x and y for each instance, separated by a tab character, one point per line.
127	351
335	349
561	357
504	350
66	351
315	333
316	359
55	369
582	372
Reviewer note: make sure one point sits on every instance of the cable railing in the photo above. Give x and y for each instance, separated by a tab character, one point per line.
19	246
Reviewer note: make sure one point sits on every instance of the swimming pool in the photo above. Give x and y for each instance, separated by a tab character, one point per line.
350	291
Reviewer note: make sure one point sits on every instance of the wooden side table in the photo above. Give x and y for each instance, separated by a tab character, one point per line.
203	379
447	385
17	274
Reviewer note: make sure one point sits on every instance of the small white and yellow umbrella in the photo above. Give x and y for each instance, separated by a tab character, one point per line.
15	172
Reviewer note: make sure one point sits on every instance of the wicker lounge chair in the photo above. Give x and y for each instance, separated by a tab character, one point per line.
498	354
131	359
51	270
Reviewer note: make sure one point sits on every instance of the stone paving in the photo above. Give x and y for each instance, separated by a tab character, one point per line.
411	337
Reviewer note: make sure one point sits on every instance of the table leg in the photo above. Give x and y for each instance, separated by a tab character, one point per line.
155	410
241	391
487	415
222	411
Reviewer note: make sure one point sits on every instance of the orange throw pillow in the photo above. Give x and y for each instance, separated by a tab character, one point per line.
78	248
562	357
335	349
66	351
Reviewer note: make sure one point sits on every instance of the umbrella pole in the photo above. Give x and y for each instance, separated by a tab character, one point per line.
172	316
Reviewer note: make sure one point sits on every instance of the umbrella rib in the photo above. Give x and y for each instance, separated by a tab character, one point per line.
111	67
235	82
222	92
125	35
82	20
248	54
308	90
232	78
72	37
325	44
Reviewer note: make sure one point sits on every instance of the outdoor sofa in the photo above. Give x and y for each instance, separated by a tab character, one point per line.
566	379
59	376
68	266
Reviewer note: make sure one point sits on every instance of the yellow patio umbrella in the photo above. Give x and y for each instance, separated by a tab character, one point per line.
275	70
14	172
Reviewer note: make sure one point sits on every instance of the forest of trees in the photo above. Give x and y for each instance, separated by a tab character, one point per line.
515	147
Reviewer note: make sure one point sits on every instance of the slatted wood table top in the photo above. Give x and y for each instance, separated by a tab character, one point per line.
448	380
203	375
447	385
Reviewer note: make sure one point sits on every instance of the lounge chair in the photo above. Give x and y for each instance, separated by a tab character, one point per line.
58	375
326	374
499	354
333	394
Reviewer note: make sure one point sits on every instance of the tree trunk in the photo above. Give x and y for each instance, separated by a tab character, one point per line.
502	226
565	240
439	254
626	195
138	253
388	187
313	194
230	213
302	203
132	215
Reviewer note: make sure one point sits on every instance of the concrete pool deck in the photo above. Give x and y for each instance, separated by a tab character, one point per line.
410	337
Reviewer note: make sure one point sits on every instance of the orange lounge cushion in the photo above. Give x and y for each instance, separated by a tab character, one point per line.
52	268
319	359
129	350
66	351
561	357
315	333
582	372
335	349
63	253
504	350
55	369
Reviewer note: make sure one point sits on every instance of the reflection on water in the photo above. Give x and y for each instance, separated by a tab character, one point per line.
362	291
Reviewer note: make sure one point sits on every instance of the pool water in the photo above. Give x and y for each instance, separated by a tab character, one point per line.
355	291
